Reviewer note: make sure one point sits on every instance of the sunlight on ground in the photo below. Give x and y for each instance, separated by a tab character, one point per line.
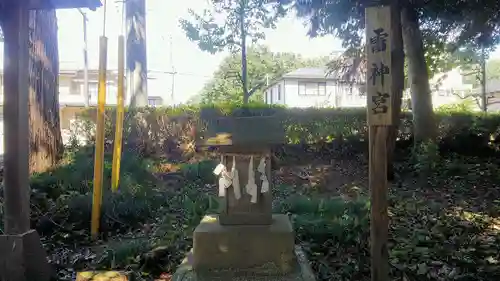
101	276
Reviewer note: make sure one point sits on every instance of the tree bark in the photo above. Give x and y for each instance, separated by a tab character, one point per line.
424	124
46	144
397	59
244	72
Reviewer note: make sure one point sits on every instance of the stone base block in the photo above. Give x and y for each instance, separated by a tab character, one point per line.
23	258
301	271
217	246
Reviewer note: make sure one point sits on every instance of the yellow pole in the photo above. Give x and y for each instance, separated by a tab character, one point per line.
99	142
117	151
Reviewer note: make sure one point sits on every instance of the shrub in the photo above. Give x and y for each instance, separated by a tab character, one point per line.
171	131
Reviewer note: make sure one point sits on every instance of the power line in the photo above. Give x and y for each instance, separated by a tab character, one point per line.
180	73
174	72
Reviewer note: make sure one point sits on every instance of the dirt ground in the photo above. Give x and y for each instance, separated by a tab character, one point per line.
339	177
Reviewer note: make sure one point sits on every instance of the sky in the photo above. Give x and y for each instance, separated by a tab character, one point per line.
194	66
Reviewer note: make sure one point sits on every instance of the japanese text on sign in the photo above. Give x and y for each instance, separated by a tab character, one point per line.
378	75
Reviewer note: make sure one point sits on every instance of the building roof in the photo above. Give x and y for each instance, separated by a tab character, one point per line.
308	72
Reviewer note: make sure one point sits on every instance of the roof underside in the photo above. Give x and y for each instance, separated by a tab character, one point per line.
64	4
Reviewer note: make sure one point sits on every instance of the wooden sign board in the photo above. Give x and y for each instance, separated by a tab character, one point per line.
379	72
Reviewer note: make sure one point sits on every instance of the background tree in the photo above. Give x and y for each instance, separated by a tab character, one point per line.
243	19
263	66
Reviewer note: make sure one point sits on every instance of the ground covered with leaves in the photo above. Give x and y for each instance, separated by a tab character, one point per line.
443	215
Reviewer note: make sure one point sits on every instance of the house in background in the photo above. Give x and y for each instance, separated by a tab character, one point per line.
71	92
71	95
311	87
448	88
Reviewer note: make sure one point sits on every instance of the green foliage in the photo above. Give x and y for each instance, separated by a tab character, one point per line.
263	66
468	105
473	73
425	158
310	125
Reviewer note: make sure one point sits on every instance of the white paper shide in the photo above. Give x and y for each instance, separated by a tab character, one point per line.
231	178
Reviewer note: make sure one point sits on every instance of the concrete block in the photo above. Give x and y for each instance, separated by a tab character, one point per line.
217	246
23	258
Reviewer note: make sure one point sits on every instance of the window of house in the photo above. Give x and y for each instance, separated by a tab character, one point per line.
154	102
271	96
93	90
312	88
279	92
266	97
73	89
322	89
111	91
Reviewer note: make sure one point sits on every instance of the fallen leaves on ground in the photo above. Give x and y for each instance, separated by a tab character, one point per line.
446	229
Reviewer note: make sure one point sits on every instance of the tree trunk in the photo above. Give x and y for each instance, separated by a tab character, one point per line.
484	98
397	59
137	67
424	124
244	72
46	144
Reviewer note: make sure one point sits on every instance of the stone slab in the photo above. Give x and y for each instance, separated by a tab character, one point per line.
217	246
301	272
229	131
23	258
242	211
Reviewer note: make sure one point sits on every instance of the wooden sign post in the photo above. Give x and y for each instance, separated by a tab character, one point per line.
380	118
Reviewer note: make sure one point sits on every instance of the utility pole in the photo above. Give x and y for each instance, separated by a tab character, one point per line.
137	68
86	96
174	72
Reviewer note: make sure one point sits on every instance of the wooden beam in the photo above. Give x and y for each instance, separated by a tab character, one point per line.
63	4
16	122
380	118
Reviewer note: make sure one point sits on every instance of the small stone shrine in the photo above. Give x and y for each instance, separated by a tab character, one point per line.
245	241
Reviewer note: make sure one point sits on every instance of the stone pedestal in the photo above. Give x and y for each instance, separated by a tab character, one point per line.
23	258
217	246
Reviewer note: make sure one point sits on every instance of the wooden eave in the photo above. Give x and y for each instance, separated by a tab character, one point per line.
63	4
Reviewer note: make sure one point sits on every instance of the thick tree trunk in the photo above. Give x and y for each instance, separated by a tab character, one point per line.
424	124
397	58
46	145
244	70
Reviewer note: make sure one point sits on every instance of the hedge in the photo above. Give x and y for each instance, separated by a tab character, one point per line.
165	129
